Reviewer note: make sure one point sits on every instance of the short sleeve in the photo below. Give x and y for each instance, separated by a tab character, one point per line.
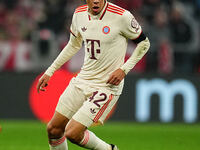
130	27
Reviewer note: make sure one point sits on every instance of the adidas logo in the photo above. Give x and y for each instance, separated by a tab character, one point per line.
83	29
92	111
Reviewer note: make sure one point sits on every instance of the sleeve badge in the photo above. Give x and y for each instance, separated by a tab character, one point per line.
135	25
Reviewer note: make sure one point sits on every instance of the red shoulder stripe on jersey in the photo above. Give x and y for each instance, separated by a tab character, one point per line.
82	6
115	12
103	13
122	11
116	7
80	10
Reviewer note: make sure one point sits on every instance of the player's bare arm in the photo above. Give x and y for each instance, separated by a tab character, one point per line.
43	82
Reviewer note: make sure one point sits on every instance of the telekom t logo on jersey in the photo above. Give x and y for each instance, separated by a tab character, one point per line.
92	49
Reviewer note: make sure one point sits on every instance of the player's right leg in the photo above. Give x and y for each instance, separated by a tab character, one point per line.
55	130
70	101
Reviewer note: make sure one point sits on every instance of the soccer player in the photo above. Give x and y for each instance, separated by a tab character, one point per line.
105	29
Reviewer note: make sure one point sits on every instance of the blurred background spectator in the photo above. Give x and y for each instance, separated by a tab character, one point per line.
33	32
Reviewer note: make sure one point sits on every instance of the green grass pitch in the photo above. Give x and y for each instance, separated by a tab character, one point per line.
31	135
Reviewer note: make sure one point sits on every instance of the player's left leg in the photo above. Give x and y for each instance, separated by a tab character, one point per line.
78	134
95	109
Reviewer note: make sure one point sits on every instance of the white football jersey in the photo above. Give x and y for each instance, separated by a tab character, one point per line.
105	38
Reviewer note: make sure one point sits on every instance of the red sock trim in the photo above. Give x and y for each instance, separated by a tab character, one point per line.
56	142
86	138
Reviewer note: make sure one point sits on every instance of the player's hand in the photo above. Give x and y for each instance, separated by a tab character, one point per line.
116	77
43	82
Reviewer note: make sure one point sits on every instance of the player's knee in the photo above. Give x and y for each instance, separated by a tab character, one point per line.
53	131
72	136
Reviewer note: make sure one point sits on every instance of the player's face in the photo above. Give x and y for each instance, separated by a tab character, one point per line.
95	6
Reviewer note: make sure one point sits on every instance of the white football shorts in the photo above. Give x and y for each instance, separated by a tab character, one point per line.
86	104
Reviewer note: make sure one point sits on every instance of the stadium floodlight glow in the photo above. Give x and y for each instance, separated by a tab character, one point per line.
43	104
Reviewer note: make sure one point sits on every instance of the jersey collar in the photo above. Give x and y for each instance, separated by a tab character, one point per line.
100	15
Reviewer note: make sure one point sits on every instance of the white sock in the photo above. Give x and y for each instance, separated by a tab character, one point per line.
91	141
58	144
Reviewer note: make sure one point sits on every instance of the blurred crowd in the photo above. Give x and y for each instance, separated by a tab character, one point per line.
33	32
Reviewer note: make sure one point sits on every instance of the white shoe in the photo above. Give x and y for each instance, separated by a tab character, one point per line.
114	147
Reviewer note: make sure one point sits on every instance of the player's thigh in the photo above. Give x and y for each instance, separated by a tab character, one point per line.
70	101
56	126
74	131
96	108
58	120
